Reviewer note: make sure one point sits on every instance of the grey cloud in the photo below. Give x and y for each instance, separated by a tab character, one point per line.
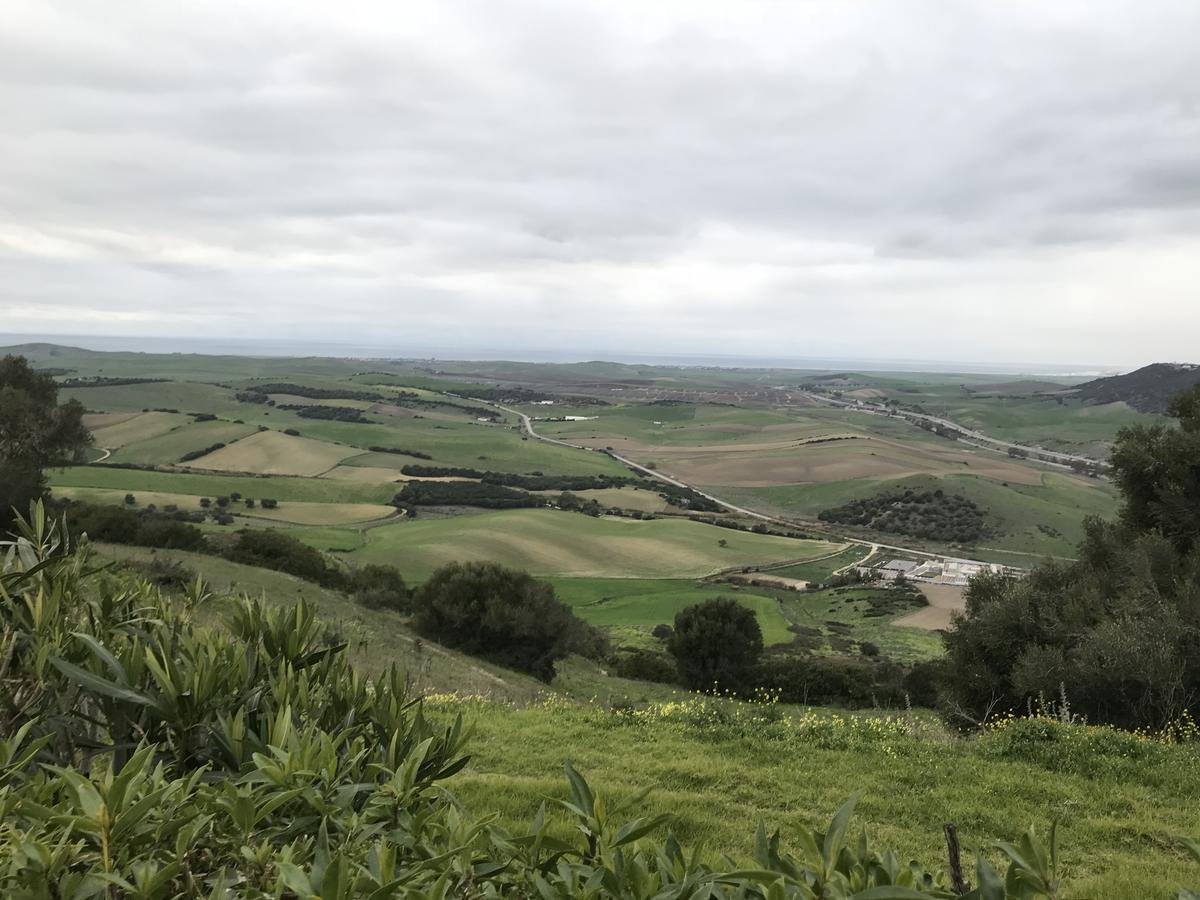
714	170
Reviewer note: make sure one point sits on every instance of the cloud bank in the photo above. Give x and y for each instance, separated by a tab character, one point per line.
971	180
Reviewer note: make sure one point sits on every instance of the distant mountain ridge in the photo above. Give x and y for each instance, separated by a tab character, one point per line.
1148	389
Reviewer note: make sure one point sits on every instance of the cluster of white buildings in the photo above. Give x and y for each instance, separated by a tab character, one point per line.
935	571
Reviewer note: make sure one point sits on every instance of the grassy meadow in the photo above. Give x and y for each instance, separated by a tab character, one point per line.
718	768
550	542
632	606
798	462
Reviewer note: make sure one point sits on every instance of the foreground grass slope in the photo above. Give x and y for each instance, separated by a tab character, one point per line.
1120	800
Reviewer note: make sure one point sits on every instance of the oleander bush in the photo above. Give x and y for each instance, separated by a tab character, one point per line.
146	755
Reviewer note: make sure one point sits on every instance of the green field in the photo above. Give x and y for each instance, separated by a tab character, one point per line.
142	427
1119	804
845	615
1032	520
168	448
819	570
548	542
376	639
313	490
289	512
644	603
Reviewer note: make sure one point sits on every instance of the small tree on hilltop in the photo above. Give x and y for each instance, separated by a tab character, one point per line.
717	642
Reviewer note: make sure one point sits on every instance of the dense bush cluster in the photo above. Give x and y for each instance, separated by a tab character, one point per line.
464	493
119	525
539	482
196	454
328	413
374	586
932	515
855	682
271	548
314	393
400	451
106	381
502	615
717	643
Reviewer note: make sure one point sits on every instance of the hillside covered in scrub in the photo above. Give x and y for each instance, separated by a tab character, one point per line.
145	754
1149	389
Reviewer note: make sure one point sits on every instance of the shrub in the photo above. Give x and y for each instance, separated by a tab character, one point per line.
119	525
503	615
379	587
332	413
196	454
855	682
273	549
400	451
716	643
168	573
268	503
643	665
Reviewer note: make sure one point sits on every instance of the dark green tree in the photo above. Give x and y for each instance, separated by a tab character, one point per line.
503	615
717	644
1118	631
380	587
36	432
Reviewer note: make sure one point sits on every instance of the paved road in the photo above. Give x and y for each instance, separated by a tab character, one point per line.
982	440
527	425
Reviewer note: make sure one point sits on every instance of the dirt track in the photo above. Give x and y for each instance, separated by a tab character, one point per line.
944	599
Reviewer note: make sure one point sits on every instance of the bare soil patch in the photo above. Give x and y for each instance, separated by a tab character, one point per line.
944	601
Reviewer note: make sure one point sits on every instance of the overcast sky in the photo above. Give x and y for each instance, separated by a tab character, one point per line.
1000	181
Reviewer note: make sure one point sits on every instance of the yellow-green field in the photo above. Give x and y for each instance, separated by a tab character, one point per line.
181	440
290	511
275	453
138	427
548	542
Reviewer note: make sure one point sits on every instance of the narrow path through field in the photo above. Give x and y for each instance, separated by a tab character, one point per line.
107	454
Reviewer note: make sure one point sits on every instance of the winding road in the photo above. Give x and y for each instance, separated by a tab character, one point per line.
973	438
527	426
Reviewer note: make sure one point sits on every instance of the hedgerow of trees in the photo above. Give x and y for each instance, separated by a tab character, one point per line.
464	493
328	413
